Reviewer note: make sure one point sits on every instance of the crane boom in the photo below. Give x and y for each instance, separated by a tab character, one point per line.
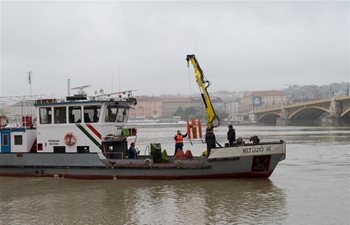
203	83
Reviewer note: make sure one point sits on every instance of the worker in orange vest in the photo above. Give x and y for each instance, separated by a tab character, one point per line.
179	142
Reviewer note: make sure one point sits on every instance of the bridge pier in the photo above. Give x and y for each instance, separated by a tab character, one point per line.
333	121
283	122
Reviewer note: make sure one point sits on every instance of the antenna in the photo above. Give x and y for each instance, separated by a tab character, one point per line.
30	81
68	83
81	89
118	79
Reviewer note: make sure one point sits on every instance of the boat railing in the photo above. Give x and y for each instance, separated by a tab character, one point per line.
114	155
147	150
18	121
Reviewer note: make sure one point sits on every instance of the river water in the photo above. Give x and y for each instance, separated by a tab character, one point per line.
310	187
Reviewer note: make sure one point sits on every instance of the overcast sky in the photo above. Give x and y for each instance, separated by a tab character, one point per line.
254	45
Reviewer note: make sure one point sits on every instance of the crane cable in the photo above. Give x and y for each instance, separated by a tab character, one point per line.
189	84
189	81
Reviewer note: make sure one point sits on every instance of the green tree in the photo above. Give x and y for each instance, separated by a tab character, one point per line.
180	112
222	114
187	113
190	112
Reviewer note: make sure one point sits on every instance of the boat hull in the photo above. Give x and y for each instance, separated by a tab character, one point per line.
228	163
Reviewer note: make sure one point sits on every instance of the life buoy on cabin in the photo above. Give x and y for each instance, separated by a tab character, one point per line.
70	138
4	121
34	120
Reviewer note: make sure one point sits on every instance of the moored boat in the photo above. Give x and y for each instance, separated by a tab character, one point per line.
88	137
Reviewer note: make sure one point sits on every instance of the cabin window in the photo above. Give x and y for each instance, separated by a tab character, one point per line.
116	114
45	115
92	113
18	140
5	140
60	114
111	114
122	115
74	114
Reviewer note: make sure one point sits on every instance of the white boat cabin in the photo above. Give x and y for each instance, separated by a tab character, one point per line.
76	125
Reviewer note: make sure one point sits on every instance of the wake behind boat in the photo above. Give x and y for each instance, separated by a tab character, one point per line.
87	137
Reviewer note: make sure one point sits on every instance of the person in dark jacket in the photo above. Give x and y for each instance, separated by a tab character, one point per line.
231	135
95	117
132	151
210	140
179	142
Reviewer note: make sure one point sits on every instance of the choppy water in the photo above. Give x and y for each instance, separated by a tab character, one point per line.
310	187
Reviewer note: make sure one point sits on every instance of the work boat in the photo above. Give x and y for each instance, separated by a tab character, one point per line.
87	137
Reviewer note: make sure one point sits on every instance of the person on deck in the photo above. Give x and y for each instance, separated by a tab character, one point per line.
95	117
231	135
179	142
132	151
210	140
110	116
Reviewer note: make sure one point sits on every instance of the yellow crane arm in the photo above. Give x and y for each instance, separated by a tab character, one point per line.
203	83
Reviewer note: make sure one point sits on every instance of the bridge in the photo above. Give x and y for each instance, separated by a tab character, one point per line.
328	112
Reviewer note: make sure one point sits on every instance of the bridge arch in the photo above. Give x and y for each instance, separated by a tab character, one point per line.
269	117
345	112
311	112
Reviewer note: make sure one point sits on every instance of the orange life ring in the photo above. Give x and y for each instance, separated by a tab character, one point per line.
70	138
4	121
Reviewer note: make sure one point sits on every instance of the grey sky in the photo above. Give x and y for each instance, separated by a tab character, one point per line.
255	45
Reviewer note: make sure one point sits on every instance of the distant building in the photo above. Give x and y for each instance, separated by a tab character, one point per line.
170	105
218	104
23	108
259	100
232	108
198	104
147	107
5	109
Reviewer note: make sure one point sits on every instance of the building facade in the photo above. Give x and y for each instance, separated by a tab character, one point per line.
23	108
260	100
170	105
232	108
147	107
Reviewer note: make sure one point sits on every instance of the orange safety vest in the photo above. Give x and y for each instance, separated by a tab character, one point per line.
179	139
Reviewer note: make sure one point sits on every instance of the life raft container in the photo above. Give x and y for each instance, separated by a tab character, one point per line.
3	121
70	138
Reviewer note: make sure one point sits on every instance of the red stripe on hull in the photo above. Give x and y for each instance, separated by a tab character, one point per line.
265	174
94	130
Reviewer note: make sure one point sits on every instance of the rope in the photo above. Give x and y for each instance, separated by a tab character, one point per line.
189	84
189	80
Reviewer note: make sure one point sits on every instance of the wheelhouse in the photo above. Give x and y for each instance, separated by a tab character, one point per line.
70	113
83	125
